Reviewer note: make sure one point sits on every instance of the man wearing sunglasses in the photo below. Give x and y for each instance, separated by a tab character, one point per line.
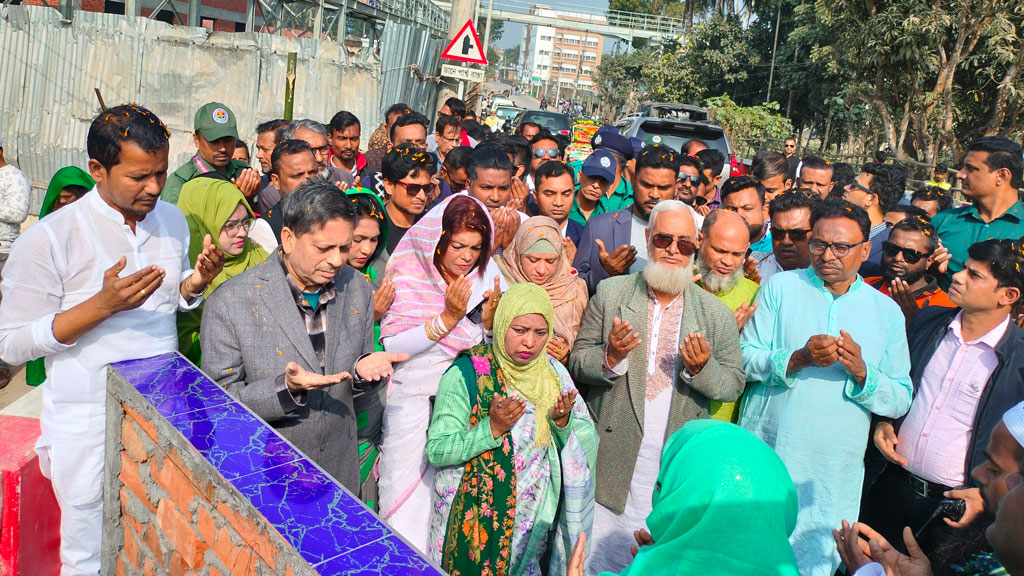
822	354
544	148
906	257
408	177
790	214
656	345
877	188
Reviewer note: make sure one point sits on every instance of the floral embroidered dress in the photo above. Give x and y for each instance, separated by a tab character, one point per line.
499	503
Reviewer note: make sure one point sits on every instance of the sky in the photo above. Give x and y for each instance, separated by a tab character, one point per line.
512	34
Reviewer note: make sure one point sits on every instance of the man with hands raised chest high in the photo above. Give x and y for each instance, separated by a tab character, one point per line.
823	352
56	304
645	350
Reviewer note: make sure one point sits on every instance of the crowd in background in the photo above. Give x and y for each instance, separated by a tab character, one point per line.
635	363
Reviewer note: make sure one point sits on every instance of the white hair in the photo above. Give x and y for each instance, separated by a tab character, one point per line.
668	206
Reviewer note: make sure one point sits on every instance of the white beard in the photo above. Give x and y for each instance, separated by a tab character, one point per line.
715	282
667	279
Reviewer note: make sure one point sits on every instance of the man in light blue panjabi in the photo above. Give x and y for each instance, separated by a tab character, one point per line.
823	353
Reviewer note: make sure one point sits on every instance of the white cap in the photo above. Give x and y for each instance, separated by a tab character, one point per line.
1014	420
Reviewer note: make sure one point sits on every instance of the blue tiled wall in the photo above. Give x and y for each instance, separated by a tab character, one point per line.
328	526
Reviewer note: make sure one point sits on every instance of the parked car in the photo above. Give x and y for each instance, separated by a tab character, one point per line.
674	124
506	114
555	122
499	102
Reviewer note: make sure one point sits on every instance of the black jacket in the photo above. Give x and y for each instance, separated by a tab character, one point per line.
1004	389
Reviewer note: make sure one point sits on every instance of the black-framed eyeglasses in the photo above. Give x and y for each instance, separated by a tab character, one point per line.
910	256
232	225
545	152
456	185
414	190
841	250
685	246
795	234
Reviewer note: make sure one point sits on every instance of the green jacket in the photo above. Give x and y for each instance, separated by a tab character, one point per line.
189	170
617	405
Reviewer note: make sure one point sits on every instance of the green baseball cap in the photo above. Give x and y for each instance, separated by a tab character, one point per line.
215	121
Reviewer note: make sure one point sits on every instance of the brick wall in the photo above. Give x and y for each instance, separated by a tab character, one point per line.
168	512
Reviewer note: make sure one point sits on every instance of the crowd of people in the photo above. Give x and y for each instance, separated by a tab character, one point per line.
636	363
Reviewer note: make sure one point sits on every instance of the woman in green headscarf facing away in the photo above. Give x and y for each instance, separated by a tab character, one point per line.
216	207
723	504
514	449
67	185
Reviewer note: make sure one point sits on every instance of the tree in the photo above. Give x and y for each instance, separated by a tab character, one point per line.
497	28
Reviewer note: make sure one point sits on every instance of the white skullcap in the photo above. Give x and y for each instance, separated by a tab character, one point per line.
1014	420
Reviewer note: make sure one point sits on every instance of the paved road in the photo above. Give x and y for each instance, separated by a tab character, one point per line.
521	100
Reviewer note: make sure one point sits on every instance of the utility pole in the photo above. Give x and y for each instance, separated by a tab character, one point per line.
487	27
462	10
775	45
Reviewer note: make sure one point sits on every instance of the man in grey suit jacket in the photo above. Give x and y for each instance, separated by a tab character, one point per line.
613	243
292	338
654	350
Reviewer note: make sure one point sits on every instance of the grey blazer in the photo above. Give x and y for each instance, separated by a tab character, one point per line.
252	328
617	406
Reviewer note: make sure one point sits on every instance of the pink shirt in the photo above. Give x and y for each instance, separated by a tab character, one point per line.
936	433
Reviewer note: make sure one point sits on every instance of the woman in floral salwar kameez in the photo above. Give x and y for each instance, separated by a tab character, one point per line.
514	449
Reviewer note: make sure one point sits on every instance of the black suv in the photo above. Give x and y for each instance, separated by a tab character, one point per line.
673	124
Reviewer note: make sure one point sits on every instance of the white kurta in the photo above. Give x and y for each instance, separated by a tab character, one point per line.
55	265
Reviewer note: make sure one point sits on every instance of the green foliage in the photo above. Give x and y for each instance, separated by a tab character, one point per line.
748	122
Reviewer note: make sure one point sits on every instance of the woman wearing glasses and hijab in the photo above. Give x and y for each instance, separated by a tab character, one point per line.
215	207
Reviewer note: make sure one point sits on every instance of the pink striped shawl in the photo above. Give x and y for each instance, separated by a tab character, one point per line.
419	287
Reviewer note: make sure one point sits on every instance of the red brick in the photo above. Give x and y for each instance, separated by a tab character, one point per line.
251	533
131	477
168	477
131	546
143	423
231	554
178	567
149	568
131	441
177	529
152	539
130	521
213	571
205	523
205	488
120	566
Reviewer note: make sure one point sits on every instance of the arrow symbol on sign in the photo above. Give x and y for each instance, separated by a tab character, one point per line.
467	45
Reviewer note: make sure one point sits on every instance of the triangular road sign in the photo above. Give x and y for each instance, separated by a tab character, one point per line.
466	46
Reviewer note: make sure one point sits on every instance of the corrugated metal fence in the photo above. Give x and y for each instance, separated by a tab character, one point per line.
50	67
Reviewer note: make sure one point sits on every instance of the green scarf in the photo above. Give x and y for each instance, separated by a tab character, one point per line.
207	203
35	370
66	176
536	380
478	536
378	214
723	504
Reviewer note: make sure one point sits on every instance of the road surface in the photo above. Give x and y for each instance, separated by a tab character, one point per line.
520	100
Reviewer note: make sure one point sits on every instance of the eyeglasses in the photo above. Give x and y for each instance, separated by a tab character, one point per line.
684	246
545	152
414	190
789	146
693	180
818	247
232	225
910	256
857	185
457	186
795	234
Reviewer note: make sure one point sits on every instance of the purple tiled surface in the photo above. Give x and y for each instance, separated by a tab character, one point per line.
330	528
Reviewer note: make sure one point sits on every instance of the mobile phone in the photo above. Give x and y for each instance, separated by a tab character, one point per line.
476	315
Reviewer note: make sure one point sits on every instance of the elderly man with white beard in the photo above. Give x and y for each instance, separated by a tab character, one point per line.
723	241
653	351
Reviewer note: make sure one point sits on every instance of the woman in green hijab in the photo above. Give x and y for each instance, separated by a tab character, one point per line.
723	504
67	185
216	207
514	449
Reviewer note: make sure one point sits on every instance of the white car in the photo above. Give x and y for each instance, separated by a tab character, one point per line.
499	102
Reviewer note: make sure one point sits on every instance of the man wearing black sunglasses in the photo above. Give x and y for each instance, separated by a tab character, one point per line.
790	214
877	188
906	257
407	174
